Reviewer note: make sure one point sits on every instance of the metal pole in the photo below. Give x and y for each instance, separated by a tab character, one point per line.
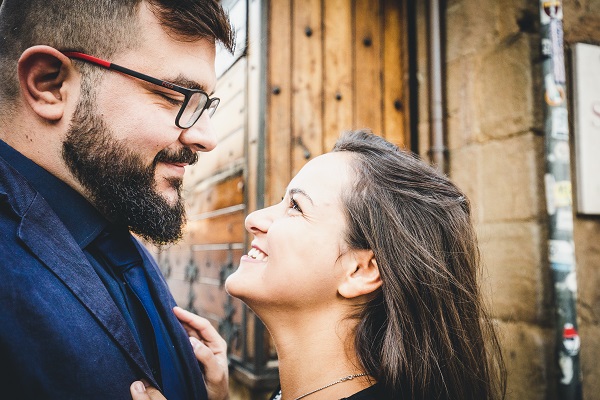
436	113
561	252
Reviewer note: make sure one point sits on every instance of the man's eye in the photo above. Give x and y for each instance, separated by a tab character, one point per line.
175	102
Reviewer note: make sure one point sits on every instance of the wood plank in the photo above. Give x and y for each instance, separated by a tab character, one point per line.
230	116
221	229
231	83
307	82
225	194
209	300
279	106
338	85
228	121
393	73
211	263
175	260
237	342
368	65
238	13
180	290
228	152
212	303
406	109
256	99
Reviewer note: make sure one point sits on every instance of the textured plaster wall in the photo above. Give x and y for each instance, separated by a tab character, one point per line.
494	135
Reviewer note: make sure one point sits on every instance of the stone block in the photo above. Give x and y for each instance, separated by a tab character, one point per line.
462	120
513	277
527	351
465	171
581	21
515	17
590	354
512	179
470	22
504	92
587	257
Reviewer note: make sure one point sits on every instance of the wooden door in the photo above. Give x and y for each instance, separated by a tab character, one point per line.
333	65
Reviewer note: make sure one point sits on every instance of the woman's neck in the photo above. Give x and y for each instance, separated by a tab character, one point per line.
316	349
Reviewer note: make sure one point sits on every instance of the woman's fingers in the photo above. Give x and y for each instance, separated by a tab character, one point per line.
201	329
214	369
139	391
210	350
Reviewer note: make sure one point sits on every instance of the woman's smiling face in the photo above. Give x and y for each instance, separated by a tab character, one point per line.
293	262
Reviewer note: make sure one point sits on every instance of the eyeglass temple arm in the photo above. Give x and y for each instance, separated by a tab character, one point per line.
127	71
86	57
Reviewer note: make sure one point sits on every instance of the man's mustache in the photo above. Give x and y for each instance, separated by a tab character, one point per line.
184	155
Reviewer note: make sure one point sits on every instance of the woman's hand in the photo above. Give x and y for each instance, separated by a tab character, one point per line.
210	350
139	391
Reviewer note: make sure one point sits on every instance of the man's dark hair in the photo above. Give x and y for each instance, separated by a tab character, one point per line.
98	27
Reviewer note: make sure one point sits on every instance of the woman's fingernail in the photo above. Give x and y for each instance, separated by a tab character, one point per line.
139	387
195	342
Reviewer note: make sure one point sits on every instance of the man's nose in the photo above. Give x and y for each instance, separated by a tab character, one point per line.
201	136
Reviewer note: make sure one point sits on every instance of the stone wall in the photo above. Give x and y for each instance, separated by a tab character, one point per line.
494	117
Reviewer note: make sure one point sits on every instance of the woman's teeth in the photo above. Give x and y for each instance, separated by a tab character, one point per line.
257	254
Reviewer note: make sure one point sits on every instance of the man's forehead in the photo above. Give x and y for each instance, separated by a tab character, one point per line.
188	63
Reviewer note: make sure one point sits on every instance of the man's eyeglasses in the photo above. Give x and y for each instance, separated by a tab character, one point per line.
194	104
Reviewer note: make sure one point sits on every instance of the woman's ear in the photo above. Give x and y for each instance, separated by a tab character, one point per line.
361	274
43	73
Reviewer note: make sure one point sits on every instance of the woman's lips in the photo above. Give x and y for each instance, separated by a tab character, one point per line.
256	255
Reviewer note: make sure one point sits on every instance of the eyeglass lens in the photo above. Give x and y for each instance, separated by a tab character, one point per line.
193	109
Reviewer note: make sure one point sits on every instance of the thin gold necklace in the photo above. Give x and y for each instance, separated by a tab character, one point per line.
344	379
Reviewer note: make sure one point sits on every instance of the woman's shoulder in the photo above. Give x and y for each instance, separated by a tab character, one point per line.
375	392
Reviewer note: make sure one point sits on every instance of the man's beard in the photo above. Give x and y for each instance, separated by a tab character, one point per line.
118	183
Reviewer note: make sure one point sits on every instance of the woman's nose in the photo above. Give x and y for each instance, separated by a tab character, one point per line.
259	221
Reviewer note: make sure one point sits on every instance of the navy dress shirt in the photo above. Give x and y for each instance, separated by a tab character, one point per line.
112	252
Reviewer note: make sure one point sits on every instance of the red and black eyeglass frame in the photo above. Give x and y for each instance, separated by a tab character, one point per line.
210	103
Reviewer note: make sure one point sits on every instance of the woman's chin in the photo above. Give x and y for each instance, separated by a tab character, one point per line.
238	287
231	285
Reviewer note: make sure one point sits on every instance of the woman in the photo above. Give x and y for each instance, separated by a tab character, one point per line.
365	276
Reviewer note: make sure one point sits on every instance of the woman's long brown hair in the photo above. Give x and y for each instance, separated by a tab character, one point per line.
425	333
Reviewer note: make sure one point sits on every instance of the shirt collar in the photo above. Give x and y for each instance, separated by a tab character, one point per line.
80	217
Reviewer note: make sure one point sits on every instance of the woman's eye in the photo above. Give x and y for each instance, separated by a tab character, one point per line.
294	205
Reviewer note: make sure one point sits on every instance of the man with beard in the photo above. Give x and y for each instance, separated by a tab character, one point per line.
102	105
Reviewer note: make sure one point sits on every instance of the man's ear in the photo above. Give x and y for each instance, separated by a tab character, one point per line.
361	274
43	72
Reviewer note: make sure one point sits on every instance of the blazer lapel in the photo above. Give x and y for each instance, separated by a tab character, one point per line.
49	240
164	304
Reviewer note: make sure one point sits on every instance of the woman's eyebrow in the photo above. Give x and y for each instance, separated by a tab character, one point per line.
301	192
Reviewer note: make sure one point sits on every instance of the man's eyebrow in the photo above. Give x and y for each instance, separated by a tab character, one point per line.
187	83
293	191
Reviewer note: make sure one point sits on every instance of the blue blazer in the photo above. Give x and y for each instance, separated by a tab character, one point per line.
61	334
